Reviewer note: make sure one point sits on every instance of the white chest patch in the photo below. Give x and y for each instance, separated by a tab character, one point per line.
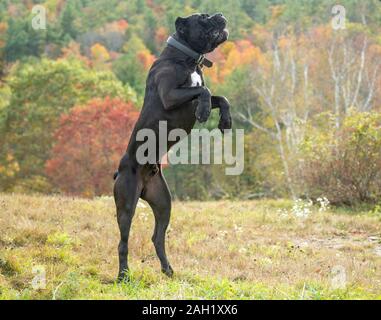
196	80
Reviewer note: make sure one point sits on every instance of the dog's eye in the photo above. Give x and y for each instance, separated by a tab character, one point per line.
204	17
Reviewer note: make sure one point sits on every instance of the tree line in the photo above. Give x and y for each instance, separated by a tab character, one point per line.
307	95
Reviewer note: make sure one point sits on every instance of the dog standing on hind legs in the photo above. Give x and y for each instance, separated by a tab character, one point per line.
175	93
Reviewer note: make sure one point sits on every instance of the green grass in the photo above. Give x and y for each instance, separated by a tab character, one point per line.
219	250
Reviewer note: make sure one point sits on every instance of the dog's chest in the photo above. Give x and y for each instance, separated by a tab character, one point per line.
196	80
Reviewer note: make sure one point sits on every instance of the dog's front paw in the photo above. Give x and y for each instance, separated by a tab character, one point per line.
225	123
202	112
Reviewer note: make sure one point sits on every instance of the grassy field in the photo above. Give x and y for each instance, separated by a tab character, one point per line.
219	250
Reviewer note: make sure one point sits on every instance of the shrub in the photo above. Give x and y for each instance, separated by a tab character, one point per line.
342	164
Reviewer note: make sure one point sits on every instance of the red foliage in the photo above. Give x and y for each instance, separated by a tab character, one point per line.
123	25
89	144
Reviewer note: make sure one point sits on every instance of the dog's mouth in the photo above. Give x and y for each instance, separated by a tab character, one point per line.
216	38
220	35
224	35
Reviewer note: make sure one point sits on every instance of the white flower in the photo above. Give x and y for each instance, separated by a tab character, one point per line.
324	204
302	209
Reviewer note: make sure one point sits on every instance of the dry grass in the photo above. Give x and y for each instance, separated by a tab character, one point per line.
236	250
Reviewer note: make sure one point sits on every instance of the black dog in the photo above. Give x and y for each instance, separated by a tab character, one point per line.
176	93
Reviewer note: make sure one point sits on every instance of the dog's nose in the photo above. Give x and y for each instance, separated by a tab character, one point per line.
220	18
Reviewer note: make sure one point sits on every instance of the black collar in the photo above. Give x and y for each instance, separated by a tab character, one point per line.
199	58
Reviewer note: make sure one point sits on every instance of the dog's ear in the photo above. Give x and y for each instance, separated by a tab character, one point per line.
181	25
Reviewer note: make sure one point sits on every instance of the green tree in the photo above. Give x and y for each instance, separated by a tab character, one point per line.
68	20
23	40
128	69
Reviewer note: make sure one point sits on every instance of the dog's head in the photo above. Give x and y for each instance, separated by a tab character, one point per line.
203	33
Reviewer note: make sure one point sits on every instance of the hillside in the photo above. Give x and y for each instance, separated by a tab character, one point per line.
85	73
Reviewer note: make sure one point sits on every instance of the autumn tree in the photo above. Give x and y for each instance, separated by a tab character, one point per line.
303	74
88	145
279	81
100	56
352	59
40	93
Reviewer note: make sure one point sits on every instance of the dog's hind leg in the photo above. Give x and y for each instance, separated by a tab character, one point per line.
127	190
157	194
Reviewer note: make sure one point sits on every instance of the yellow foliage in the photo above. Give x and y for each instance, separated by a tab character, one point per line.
99	53
227	47
213	74
277	11
134	43
10	168
188	10
284	42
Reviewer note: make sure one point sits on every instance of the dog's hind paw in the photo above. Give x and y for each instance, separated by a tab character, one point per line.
168	271
123	278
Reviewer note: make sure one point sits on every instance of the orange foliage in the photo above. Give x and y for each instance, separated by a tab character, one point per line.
116	26
146	58
231	56
3	30
321	33
73	50
161	36
261	36
88	146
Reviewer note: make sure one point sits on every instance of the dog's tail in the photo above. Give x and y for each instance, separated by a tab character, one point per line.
116	174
